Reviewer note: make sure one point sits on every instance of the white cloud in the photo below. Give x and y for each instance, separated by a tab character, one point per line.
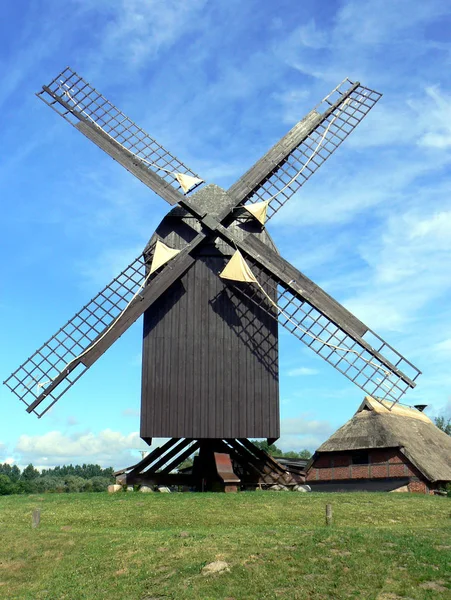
311	36
444	346
300	442
302	371
302	426
406	269
107	448
381	21
438	409
135	32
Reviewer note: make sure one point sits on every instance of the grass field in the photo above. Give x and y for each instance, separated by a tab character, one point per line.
129	546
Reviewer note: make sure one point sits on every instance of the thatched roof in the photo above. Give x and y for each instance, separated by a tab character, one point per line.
375	426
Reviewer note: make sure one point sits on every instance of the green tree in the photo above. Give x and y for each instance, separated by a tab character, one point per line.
85	471
100	484
6	486
74	483
15	473
306	454
443	424
188	462
29	473
45	483
271	449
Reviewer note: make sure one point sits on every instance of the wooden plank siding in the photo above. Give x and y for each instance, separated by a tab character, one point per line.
210	357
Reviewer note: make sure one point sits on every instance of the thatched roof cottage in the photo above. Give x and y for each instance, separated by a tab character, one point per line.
383	450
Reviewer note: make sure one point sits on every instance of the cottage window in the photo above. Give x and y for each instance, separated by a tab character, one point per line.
360	458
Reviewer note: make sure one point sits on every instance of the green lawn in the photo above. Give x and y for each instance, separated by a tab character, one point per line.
128	546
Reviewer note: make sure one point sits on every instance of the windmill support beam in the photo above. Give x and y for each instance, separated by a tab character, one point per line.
215	467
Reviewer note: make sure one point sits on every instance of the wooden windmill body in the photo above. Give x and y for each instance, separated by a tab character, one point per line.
210	342
210	357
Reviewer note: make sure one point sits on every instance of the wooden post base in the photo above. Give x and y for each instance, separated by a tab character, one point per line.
219	465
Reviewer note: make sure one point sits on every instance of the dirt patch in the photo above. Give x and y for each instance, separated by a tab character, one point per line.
12	565
390	596
434	585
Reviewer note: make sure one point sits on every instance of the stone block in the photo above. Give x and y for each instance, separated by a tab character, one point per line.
112	489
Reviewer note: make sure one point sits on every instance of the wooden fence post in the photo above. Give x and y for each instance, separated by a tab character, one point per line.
328	514
36	518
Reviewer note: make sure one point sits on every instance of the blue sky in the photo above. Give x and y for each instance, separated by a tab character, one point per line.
217	83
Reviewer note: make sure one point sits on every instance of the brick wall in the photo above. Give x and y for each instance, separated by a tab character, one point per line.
419	487
382	464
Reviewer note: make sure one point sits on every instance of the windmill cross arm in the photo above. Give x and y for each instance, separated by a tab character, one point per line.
142	302
284	169
295	280
67	355
273	159
150	294
53	385
247	183
301	287
120	154
97	118
130	162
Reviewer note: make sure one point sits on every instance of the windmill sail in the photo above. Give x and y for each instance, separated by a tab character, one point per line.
60	358
66	356
356	351
292	161
96	117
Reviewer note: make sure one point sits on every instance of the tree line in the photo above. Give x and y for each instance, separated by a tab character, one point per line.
67	478
273	450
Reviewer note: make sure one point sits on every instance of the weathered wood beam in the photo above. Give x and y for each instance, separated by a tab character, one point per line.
298	283
304	289
125	158
179	459
145	462
181	445
276	156
150	294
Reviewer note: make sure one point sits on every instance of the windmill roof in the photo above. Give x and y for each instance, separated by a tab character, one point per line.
375	426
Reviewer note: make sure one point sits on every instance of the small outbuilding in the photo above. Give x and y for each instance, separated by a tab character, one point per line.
383	450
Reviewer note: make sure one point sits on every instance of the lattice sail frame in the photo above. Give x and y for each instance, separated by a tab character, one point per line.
315	330
62	354
73	98
289	176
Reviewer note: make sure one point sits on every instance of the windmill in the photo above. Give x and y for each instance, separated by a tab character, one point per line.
213	290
